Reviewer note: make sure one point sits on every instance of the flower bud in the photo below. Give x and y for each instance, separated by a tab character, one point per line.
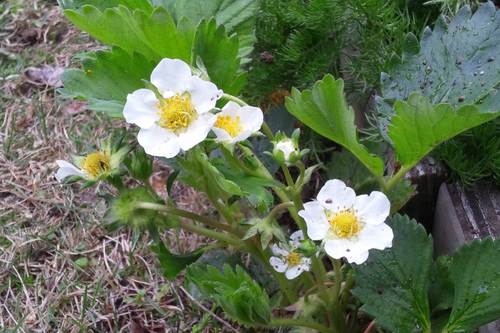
286	149
308	248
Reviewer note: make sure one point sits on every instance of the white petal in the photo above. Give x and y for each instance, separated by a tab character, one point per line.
251	119
296	238
67	169
204	94
351	249
317	223
278	264
197	131
171	75
230	108
157	141
294	271
279	251
141	108
376	236
335	195
358	258
373	209
305	263
222	135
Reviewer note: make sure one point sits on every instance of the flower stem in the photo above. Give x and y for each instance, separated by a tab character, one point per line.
396	178
336	300
182	213
212	234
290	322
279	209
234	99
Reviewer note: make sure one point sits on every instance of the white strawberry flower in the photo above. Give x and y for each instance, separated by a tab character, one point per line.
179	118
90	167
348	225
236	123
287	259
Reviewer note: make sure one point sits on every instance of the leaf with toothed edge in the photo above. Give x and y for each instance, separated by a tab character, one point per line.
106	79
457	63
392	284
476	276
418	126
324	109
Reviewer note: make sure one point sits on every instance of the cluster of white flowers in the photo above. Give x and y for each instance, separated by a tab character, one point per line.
175	117
178	116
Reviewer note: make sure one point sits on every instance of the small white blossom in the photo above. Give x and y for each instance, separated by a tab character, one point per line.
287	147
348	225
89	167
287	260
236	123
179	118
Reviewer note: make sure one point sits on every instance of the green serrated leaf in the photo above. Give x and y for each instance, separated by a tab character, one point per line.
458	63
393	283
441	286
235	291
153	34
253	188
106	79
237	16
476	276
199	172
418	126
220	56
173	264
141	39
325	110
103	4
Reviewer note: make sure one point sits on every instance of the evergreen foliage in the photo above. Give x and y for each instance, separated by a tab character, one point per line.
298	41
474	155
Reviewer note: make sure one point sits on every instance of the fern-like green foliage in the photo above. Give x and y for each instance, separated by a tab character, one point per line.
299	41
474	155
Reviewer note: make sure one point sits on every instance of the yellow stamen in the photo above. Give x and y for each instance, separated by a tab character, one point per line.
96	164
176	112
231	125
344	224
293	259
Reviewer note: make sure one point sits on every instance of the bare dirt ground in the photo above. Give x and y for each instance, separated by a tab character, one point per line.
60	269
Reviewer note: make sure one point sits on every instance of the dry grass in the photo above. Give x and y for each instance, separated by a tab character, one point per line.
60	269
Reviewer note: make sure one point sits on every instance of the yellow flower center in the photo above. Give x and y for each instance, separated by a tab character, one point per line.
231	125
344	224
176	112
96	164
293	259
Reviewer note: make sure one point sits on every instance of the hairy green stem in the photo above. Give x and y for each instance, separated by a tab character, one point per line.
278	209
290	322
234	99
288	176
183	213
337	300
396	178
